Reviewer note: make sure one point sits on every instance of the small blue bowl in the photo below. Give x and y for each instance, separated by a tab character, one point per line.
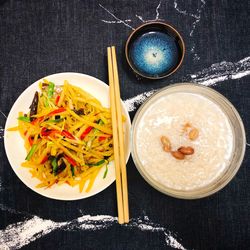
155	50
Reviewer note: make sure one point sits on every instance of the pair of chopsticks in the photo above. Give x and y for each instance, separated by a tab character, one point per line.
118	139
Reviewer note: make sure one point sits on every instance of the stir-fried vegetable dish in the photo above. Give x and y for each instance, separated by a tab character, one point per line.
68	136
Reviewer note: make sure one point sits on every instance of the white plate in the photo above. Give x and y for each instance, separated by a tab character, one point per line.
14	145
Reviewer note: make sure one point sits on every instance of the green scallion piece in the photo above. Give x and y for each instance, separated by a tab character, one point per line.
31	152
72	170
46	102
51	89
100	122
54	165
24	118
105	173
101	162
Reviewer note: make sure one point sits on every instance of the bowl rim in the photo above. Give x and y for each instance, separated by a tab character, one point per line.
182	194
149	23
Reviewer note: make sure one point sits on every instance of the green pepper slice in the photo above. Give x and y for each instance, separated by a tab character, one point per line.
54	165
31	152
24	118
51	89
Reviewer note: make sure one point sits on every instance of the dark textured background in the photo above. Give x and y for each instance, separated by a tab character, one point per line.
38	38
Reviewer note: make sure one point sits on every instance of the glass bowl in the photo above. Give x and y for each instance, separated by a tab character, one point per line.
238	147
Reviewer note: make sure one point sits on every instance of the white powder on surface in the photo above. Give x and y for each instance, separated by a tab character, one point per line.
1	132
1	112
172	242
116	19
222	71
1	128
146	225
17	235
197	18
20	234
132	103
210	76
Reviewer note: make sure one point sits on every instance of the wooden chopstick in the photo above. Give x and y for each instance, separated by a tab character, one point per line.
118	140
120	136
115	139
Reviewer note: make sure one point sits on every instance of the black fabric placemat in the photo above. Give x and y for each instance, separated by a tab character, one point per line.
39	38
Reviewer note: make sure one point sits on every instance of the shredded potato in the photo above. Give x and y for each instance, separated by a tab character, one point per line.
67	136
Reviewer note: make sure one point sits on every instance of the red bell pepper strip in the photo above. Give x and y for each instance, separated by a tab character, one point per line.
67	134
85	132
37	120
70	160
47	132
59	110
57	100
44	159
102	138
30	140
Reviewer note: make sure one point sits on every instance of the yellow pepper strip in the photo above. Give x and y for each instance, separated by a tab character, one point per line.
86	95
73	95
98	106
92	124
81	184
65	150
79	142
68	145
35	138
45	80
45	152
82	129
41	185
28	164
54	126
85	176
47	111
62	95
87	153
77	125
13	128
92	180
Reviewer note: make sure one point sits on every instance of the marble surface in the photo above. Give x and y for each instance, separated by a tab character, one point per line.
38	38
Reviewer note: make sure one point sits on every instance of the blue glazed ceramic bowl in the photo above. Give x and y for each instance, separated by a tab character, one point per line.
155	50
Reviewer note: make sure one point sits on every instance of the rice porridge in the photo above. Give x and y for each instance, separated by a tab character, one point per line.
210	143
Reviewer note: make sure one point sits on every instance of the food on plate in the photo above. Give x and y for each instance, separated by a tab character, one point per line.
67	134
